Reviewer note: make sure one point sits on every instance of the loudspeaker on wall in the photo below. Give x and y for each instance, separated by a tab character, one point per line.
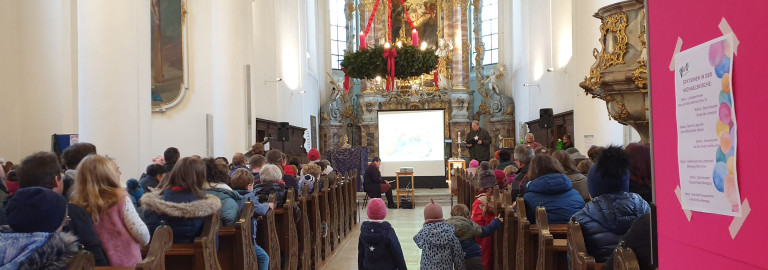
546	119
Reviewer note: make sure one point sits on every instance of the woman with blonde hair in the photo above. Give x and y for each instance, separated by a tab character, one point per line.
118	226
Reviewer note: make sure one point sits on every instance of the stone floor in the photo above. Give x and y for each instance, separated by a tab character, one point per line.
406	222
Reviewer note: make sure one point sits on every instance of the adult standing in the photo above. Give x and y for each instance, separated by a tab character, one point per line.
479	143
373	185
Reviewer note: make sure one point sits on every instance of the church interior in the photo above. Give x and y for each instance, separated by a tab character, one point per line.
381	134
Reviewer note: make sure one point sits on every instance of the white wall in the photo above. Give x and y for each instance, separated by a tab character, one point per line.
529	49
37	81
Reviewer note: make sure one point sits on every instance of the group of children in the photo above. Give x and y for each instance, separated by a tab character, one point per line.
445	244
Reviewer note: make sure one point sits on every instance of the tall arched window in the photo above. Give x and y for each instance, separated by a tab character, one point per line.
338	32
489	20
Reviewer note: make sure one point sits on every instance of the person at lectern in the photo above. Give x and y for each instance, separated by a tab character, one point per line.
479	143
373	185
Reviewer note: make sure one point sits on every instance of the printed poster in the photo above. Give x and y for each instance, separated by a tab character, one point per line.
706	128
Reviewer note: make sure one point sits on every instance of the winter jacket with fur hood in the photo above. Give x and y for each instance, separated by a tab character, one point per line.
440	249
466	231
606	219
36	250
183	211
555	192
229	201
378	247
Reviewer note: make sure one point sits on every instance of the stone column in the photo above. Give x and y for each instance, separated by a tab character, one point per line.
230	35
114	100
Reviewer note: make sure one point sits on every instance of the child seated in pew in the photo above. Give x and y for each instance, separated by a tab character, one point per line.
217	177
310	174
242	183
609	215
440	247
33	238
466	231
179	201
97	190
378	246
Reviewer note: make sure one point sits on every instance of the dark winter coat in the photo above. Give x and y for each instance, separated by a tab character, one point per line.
479	152
263	190
555	192
183	211
372	182
644	191
517	188
81	225
440	249
606	219
229	201
36	250
147	181
378	247
466	231
638	238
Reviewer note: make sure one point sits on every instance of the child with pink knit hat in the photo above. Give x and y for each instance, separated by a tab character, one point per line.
378	246
440	247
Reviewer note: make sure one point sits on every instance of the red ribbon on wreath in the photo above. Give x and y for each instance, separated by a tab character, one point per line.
435	75
346	81
390	54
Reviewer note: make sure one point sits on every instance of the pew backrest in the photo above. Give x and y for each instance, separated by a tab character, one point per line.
245	255
624	258
162	241
577	250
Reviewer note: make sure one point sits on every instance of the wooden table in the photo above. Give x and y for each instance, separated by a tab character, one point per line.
405	191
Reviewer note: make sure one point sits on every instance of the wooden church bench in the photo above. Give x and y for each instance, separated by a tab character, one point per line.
325	216
509	246
286	231
313	212
577	250
267	236
304	233
235	244
551	250
527	237
624	258
199	255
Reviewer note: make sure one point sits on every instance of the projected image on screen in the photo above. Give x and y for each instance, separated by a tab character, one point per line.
411	135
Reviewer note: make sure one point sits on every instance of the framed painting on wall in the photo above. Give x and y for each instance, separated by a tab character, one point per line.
170	63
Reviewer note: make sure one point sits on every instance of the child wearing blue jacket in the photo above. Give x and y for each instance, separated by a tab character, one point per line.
242	183
378	246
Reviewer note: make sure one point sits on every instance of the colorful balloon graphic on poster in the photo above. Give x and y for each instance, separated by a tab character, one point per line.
723	174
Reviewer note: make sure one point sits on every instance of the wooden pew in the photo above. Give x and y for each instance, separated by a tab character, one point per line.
341	228
495	201
314	224
235	243
286	232
333	205
199	255
527	237
305	256
267	236
352	202
509	230
624	258
577	250
552	250
82	260
154	259
325	216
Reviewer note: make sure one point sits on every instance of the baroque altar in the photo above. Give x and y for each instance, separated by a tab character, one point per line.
443	26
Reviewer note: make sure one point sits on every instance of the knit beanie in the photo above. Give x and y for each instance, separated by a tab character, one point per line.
376	209
313	155
474	164
486	175
500	176
610	174
35	209
433	212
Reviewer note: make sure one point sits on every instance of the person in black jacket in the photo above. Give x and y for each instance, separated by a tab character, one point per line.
523	156
373	185
171	156
42	169
378	246
479	143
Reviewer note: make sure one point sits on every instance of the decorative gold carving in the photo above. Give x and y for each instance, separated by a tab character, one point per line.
325	116
509	110
623	112
640	75
483	108
183	12
348	112
614	25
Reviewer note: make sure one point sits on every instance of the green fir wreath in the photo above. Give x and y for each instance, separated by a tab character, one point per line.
410	61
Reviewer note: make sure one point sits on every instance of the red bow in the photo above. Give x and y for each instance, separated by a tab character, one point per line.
346	81
436	77
390	55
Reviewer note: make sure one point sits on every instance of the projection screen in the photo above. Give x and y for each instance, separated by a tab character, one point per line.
412	139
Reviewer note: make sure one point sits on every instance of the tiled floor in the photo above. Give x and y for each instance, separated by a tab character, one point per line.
407	222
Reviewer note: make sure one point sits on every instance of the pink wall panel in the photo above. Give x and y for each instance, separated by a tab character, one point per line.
705	242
